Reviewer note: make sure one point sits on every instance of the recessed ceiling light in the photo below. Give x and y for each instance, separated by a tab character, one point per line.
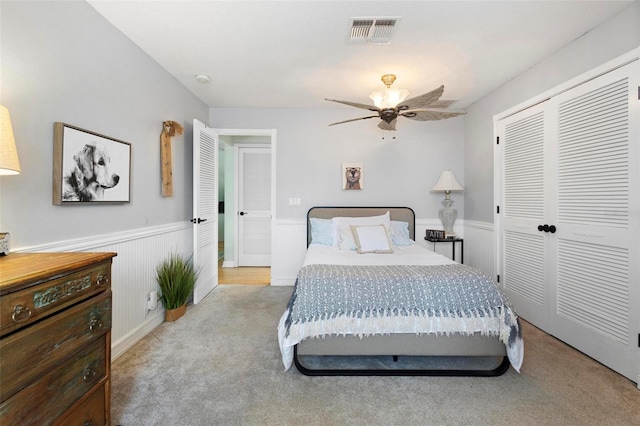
203	78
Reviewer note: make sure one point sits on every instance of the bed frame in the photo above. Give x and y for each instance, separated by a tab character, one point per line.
399	344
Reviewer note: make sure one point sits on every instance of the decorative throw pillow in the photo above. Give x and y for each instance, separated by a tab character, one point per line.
371	239
339	223
400	233
321	231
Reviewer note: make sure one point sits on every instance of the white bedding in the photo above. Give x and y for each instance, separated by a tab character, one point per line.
415	254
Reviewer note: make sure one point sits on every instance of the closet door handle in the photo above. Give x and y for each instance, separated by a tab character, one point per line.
547	228
242	213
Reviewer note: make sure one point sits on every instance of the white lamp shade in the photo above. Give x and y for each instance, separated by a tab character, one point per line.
388	98
447	182
9	164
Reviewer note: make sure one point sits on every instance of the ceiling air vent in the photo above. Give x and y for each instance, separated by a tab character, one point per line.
372	30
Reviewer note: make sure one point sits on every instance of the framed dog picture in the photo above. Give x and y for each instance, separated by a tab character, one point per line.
89	167
352	176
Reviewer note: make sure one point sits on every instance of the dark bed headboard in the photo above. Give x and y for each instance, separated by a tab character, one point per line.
404	214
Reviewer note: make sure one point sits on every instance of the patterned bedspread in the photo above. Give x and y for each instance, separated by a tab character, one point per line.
367	300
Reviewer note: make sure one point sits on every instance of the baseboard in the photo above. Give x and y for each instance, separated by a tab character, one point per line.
283	282
134	336
229	264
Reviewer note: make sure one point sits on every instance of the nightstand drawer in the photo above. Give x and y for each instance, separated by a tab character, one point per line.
30	304
55	392
36	349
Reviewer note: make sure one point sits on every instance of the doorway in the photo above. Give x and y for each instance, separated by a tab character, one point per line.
230	195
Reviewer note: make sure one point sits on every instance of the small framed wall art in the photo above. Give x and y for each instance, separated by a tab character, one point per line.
352	176
89	167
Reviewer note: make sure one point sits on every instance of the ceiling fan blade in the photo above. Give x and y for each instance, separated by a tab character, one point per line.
423	100
388	126
355	104
353	119
430	114
442	103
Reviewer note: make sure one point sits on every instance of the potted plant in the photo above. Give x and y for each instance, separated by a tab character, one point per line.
176	277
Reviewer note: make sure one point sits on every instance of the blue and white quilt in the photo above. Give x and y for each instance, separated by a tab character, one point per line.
445	299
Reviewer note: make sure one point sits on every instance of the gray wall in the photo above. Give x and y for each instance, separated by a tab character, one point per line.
61	61
613	38
309	155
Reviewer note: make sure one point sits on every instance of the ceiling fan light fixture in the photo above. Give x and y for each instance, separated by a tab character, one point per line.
388	97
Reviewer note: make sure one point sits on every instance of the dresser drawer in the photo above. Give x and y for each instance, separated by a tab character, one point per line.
41	346
56	391
92	411
30	304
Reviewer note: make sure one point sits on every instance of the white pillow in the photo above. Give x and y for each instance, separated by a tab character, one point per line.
371	239
340	223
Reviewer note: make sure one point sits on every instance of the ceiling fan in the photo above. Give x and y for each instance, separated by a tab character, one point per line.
389	104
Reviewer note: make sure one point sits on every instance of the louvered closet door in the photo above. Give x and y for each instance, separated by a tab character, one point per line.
598	199
523	248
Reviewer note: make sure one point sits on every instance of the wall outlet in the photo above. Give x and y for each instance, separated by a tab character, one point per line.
152	302
295	202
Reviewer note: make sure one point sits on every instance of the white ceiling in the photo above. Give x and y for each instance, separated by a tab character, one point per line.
293	54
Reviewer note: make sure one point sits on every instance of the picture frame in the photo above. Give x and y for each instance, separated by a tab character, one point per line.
89	167
352	176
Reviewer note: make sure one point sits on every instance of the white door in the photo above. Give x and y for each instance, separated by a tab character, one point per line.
205	208
598	237
523	208
569	227
254	205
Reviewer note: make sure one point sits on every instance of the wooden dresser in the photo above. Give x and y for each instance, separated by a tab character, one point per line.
55	338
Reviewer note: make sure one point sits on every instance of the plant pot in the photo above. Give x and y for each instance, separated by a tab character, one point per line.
171	315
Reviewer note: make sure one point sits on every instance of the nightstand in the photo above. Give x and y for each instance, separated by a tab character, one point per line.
453	242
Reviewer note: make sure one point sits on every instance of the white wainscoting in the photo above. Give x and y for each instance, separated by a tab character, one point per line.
132	277
288	250
479	246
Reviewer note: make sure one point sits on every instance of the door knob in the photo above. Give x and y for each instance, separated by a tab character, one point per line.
242	213
547	228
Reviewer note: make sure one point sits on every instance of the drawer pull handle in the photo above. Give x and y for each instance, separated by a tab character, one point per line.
88	374
21	313
95	324
87	423
102	280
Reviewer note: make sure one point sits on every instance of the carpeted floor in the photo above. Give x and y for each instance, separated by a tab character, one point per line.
220	365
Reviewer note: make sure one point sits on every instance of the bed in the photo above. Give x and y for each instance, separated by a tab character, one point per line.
357	296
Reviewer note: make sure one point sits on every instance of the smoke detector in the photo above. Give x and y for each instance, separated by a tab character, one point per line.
203	78
376	30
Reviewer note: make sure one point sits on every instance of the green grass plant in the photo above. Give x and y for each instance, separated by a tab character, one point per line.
176	277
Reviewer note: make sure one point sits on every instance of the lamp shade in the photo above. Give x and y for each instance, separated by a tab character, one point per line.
447	183
9	164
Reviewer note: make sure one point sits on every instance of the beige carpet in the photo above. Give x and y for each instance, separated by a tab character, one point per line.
220	365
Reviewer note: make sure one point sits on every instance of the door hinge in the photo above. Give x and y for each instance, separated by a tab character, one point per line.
498	209
497	140
639	340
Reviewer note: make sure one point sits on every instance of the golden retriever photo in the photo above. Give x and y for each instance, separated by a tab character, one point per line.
90	174
352	176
